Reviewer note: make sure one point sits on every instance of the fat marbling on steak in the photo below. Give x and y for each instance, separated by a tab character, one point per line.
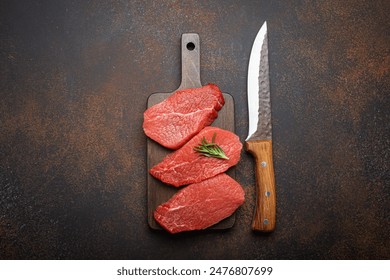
186	166
200	205
182	115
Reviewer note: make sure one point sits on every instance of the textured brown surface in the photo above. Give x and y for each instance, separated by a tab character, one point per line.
75	77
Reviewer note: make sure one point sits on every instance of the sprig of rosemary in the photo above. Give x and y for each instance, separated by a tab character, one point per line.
210	149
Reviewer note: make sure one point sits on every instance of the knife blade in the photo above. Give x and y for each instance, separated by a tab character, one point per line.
259	140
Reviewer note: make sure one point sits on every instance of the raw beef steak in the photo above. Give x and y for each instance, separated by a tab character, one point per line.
182	115
186	166
200	205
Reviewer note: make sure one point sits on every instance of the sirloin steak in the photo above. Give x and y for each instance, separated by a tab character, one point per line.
186	166
200	205
182	115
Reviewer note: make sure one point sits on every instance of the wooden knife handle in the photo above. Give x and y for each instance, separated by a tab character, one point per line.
265	208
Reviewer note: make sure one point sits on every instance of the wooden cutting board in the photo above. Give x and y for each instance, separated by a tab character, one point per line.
157	191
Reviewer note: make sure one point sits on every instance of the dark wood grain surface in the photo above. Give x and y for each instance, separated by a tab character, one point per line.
75	77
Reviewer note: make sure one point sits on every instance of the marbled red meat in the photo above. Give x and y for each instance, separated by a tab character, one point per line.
200	205
182	115
186	166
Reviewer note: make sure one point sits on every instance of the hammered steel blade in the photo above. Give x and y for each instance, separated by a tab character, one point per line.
259	99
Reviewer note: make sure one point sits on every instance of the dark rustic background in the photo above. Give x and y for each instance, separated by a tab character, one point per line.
75	76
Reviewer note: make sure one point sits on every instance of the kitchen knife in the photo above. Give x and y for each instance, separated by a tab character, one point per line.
259	140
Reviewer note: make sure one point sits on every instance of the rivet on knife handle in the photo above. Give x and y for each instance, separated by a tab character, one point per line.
264	217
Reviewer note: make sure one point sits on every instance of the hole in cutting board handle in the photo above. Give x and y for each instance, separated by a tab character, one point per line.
190	46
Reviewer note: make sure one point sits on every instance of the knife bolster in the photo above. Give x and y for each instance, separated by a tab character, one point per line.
265	207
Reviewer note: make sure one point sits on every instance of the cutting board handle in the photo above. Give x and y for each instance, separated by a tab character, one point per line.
190	61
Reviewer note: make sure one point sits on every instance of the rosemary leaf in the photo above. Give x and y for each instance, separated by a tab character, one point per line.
210	149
